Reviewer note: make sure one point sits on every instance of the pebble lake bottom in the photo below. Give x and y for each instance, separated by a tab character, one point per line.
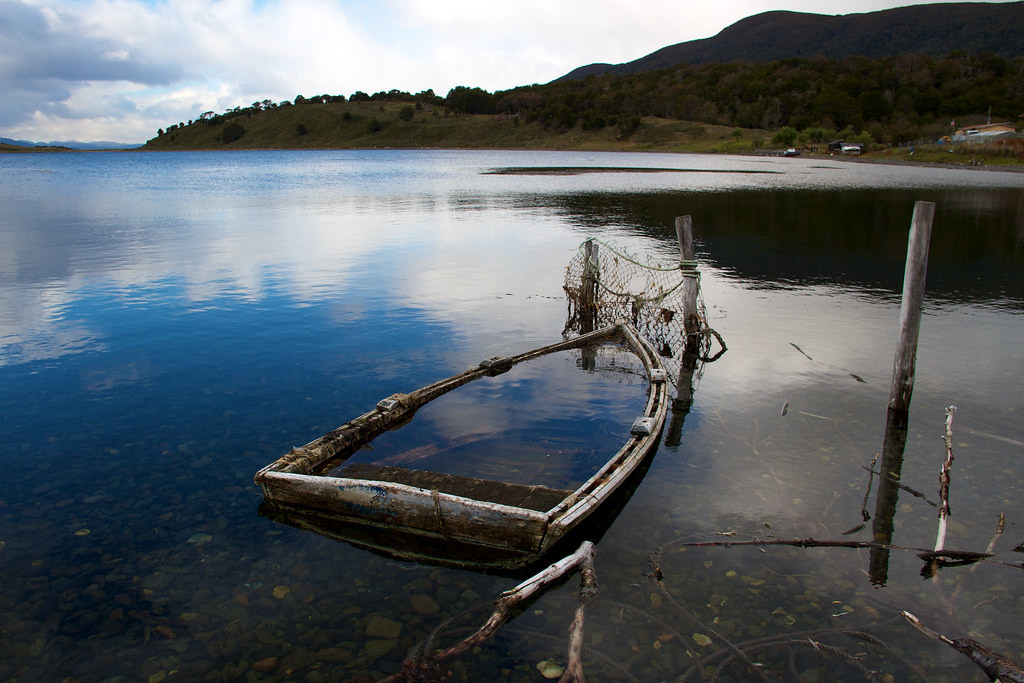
172	322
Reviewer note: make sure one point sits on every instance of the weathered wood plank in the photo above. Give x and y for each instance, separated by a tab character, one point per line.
408	508
531	497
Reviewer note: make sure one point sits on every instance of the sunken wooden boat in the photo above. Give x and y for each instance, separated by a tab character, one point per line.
425	515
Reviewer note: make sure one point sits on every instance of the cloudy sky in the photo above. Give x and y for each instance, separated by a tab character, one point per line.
118	70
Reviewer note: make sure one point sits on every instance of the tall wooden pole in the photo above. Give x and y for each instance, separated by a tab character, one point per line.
591	268
910	309
688	255
588	310
897	420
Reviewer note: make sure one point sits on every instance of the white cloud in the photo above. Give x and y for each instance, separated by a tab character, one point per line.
63	61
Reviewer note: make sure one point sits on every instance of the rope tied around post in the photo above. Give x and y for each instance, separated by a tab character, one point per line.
689	268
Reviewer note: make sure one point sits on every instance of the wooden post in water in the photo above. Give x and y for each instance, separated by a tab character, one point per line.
688	257
897	420
910	310
591	271
691	330
588	304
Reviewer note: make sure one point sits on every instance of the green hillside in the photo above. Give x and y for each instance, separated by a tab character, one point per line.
382	124
886	104
6	148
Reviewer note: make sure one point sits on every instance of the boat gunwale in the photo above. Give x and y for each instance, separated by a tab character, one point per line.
595	490
295	468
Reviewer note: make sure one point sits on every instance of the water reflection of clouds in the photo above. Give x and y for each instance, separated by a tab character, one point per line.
461	248
764	465
446	263
843	336
236	256
548	401
33	326
763	327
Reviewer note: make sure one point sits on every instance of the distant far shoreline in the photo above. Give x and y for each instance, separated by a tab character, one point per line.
885	157
20	149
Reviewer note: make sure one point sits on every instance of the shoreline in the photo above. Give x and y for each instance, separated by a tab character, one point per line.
1012	168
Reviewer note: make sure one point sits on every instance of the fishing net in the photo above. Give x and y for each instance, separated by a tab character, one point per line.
605	284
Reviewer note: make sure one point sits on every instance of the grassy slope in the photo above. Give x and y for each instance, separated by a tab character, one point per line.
347	125
4	147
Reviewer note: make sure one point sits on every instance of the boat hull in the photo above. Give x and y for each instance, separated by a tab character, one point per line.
513	522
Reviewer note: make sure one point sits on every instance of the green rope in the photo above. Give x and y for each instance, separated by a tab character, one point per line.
688	269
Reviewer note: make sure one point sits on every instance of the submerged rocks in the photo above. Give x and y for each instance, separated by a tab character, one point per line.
424	605
382	627
334	655
375	649
266	664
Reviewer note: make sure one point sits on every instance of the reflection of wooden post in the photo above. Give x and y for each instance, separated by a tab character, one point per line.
591	273
683	400
883	523
691	328
910	309
688	255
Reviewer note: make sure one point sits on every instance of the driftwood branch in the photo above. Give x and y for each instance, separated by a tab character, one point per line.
864	514
1000	527
936	559
503	606
940	538
588	591
901	487
995	665
507	601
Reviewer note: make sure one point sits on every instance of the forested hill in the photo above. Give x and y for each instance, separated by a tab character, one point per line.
890	101
973	27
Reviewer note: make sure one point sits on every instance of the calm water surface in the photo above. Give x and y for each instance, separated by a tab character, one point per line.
170	323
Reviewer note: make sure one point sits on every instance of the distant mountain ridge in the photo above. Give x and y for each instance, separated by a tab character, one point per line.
936	30
72	144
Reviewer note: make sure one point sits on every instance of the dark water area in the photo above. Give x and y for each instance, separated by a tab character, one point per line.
171	323
793	238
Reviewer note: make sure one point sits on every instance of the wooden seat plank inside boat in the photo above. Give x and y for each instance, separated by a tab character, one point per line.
535	497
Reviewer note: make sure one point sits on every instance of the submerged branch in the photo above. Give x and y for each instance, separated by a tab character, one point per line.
864	514
942	558
588	591
995	665
947	465
583	558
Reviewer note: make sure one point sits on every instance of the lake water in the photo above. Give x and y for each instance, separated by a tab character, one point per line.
172	322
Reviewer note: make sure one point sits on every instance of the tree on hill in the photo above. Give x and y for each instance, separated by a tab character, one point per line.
463	100
232	131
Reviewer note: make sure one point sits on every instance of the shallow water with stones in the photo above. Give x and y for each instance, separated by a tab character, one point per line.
170	323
